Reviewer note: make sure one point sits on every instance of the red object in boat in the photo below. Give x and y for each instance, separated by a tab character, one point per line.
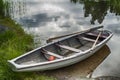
51	58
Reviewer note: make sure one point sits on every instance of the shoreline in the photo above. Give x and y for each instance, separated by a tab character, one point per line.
14	41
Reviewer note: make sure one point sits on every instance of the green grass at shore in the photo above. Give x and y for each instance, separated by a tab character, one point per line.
13	43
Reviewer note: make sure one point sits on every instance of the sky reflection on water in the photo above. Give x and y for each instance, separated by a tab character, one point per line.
49	18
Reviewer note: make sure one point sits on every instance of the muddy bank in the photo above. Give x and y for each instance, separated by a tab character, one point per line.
81	69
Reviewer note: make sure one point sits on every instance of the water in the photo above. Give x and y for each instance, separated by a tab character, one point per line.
49	18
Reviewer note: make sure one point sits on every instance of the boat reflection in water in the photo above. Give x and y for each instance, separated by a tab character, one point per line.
81	69
107	78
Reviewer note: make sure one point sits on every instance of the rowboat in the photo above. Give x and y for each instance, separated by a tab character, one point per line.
63	52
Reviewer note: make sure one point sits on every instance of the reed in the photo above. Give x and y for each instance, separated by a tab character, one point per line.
14	42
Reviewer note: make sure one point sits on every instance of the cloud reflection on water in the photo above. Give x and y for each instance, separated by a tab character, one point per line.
52	18
110	67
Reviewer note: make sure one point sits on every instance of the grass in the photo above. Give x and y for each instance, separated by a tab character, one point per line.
13	43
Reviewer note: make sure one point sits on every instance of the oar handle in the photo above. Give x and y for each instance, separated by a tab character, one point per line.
97	39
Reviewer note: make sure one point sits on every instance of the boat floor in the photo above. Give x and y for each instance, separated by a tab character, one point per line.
82	48
86	46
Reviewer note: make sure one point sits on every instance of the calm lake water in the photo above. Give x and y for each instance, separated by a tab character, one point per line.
50	18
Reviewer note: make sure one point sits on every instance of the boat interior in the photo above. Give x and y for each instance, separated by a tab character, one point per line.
64	48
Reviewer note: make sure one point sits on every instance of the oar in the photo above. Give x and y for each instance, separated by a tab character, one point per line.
51	39
96	39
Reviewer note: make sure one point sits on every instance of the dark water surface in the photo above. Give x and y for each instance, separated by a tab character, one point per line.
49	18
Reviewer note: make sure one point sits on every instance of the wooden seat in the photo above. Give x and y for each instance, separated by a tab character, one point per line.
69	48
88	39
92	34
51	53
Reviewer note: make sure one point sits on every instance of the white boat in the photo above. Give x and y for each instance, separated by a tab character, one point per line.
64	52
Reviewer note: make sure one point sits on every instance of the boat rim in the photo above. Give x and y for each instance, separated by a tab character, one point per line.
18	66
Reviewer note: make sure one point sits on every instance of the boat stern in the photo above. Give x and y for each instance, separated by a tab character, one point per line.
13	65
